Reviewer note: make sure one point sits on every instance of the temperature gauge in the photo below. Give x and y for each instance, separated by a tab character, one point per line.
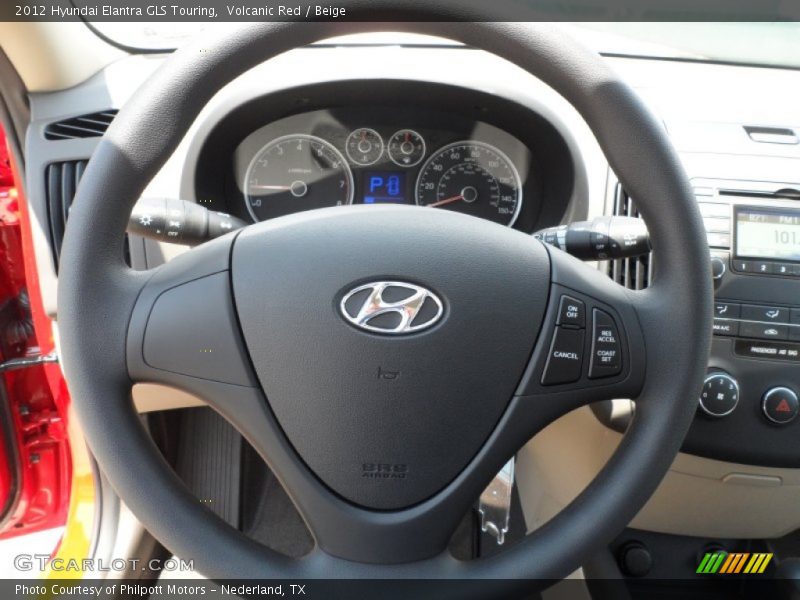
364	146
406	148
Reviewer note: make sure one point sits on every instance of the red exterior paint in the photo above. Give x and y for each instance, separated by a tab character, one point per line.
37	395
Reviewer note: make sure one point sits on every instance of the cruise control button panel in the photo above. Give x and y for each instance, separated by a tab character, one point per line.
585	342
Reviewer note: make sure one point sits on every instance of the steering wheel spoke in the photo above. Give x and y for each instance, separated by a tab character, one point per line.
591	345
184	327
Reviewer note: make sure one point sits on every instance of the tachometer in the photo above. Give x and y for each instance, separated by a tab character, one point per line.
295	173
474	178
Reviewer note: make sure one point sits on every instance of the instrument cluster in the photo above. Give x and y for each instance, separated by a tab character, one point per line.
386	155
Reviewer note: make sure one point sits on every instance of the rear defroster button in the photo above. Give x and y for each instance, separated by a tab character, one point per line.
606	358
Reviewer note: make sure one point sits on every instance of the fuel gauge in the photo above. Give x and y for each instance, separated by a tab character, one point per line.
364	146
406	148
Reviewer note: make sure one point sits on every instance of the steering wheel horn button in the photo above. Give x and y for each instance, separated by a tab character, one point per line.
391	307
364	361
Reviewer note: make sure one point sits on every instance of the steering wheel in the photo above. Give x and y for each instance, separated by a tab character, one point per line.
383	436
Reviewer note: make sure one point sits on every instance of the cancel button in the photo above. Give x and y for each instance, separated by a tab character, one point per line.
565	361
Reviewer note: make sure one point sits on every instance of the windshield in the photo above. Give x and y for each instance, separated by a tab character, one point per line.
774	44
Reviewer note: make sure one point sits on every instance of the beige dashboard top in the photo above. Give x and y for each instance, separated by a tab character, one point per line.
55	56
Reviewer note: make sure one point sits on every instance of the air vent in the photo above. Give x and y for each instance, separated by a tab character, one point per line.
633	273
61	182
85	126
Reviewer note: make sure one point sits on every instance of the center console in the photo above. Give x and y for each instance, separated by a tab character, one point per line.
749	405
748	410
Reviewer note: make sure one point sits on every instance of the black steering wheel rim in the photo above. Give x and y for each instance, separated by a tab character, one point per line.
98	294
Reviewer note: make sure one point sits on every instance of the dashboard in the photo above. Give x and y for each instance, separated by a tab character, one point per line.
405	150
326	96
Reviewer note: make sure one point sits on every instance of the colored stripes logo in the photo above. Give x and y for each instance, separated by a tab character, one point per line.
724	563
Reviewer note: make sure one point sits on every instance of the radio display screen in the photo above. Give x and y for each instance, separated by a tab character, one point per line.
767	233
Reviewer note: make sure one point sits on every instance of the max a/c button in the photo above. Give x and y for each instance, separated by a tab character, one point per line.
726	327
565	361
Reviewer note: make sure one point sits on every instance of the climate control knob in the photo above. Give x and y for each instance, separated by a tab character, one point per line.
718	267
720	394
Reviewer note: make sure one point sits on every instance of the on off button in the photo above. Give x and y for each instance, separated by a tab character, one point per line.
571	312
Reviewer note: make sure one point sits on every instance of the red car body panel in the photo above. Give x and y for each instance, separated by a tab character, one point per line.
35	476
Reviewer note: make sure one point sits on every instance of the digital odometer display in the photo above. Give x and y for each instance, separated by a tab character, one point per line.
768	234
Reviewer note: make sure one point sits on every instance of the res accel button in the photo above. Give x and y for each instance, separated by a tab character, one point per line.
565	361
606	358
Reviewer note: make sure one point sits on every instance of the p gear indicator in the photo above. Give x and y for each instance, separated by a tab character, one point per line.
382	187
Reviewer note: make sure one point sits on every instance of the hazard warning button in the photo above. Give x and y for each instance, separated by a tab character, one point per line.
780	405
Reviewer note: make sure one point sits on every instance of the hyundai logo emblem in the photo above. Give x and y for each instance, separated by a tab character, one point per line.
391	307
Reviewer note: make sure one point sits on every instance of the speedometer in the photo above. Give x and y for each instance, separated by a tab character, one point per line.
294	173
474	178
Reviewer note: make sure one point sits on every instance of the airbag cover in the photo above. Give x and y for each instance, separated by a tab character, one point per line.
386	421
